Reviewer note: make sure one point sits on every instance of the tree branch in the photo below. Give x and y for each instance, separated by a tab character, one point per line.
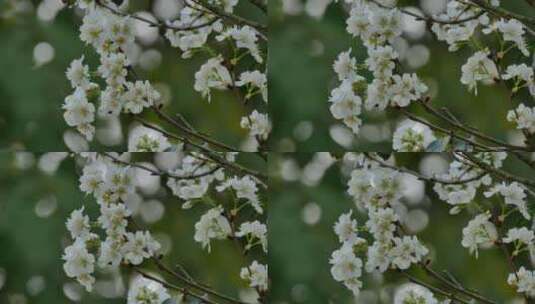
430	179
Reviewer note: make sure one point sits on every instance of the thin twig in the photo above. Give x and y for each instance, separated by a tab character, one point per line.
429	19
231	17
261	4
192	133
193	284
431	179
454	286
435	289
182	290
161	173
470	131
496	172
213	156
451	133
154	23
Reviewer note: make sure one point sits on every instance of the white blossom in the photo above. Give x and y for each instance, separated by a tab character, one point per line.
193	188
479	233
523	235
113	68
378	257
513	30
245	37
92	177
146	291
92	30
382	223
111	252
142	139
258	124
188	40
346	228
212	75
411	293
513	194
113	218
139	246
524	281
346	105
257	276
112	100
345	67
519	71
79	264
463	193
78	224
78	74
347	268
378	94
478	68
412	136
457	34
406	88
212	225
139	95
244	188
254	231
254	79
78	110
406	251
381	61
523	117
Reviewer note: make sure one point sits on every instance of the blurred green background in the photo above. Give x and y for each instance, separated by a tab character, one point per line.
303	49
34	206
307	197
31	117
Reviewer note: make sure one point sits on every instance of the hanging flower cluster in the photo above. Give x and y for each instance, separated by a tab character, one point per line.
111	185
376	190
381	244
114	239
378	25
201	28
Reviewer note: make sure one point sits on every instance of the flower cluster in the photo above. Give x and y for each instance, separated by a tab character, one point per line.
482	231
378	191
219	222
197	179
377	26
112	186
112	36
111	31
381	244
379	23
191	33
481	66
